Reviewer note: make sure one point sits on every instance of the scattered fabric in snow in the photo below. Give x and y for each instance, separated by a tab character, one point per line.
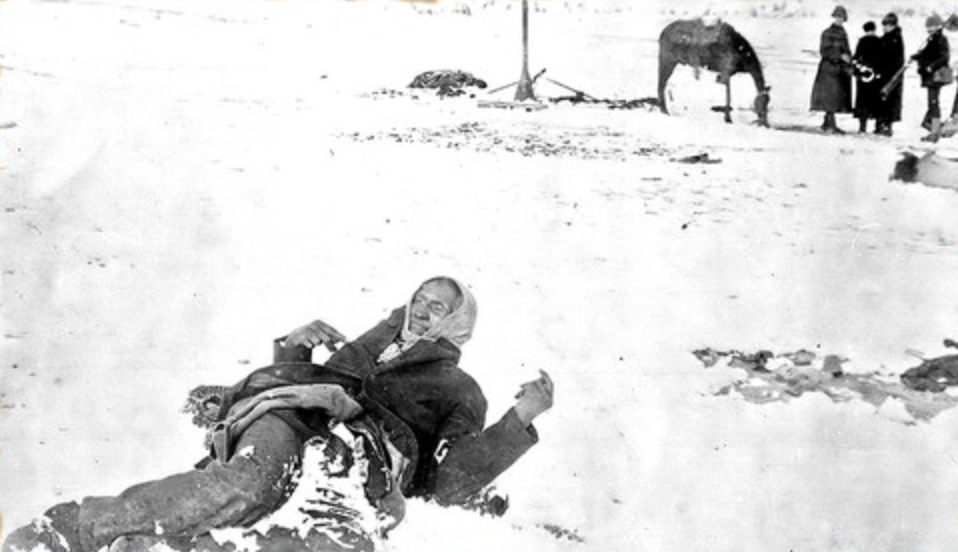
447	82
783	377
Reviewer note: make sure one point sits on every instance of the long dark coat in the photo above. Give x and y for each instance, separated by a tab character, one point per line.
933	56
422	401
833	83
868	94
892	59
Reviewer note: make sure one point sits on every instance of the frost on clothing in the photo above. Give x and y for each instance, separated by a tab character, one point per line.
411	403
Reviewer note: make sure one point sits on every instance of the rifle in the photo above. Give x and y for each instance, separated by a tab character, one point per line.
896	78
894	81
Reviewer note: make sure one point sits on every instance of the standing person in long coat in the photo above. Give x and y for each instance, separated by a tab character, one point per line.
952	25
891	60
867	85
833	83
933	60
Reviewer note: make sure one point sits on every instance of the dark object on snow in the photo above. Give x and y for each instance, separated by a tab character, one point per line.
934	374
204	404
930	169
717	48
447	82
640	103
769	379
833	365
488	502
699	158
756	361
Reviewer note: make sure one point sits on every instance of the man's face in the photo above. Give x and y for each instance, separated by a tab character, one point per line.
433	302
838	20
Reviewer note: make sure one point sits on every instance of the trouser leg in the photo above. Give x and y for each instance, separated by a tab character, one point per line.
252	483
934	107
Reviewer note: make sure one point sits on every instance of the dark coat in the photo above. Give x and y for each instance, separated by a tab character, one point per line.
891	60
833	83
868	53
421	401
934	55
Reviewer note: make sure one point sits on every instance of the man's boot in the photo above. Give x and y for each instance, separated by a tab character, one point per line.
56	531
863	126
935	133
829	126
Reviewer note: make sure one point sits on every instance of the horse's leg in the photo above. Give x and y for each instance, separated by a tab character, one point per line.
728	99
666	66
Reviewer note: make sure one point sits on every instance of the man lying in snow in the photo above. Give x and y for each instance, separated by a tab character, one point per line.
397	389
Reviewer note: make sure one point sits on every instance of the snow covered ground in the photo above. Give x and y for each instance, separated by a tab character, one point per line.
183	181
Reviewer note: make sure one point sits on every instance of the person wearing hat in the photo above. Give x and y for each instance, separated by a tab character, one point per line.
892	59
867	82
832	92
933	59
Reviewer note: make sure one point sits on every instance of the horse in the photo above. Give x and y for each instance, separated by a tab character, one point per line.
718	48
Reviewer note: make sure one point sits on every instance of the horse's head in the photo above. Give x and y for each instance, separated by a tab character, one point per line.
760	105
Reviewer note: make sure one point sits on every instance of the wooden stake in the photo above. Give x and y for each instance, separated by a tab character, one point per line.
524	88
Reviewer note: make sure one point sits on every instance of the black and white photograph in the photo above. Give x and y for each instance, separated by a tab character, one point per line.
478	275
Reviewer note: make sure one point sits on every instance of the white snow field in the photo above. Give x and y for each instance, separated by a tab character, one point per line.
182	181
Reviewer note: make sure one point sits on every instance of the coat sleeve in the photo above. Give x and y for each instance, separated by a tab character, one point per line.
474	458
934	55
297	353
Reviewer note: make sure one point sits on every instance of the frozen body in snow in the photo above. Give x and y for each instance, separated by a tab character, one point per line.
415	428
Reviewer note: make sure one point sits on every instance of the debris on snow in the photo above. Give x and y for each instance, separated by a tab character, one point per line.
447	83
596	143
780	378
698	158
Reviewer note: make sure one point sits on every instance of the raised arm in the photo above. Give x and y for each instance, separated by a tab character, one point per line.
471	458
298	344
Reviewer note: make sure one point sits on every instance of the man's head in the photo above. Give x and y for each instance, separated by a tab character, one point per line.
934	23
435	299
442	308
869	27
839	15
889	22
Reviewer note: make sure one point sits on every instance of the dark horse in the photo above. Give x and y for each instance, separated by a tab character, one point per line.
717	48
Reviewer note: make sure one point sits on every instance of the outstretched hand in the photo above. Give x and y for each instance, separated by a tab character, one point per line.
333	399
534	398
315	333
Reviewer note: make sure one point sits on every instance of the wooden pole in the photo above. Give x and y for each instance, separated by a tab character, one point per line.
524	88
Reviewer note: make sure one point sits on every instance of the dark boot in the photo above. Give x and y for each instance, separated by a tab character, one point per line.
56	531
863	126
829	126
